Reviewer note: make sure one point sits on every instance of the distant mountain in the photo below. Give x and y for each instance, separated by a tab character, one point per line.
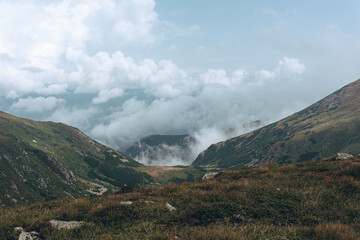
46	160
157	149
329	126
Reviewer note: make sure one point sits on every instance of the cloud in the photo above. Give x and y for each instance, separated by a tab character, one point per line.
36	105
268	12
290	66
38	41
215	99
77	117
194	29
70	59
106	95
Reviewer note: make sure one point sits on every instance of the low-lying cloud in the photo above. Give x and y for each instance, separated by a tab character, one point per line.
64	61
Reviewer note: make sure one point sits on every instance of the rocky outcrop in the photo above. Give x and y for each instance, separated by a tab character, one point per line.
343	156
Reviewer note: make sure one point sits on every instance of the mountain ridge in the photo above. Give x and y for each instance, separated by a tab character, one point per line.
47	160
324	128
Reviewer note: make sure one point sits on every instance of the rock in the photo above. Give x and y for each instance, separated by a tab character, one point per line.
18	229
97	190
126	202
149	202
170	207
343	156
28	236
254	162
209	175
58	224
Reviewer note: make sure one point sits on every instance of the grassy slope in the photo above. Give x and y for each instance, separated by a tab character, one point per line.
329	126
86	158
28	175
312	200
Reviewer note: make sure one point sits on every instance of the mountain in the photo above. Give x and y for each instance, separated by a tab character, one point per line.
162	149
329	126
46	160
313	200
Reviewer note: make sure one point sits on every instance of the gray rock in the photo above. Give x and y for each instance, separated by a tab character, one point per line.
58	224
343	156
170	207
28	236
126	202
209	175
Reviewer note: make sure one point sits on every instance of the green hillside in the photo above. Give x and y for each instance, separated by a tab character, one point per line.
33	153
311	200
327	127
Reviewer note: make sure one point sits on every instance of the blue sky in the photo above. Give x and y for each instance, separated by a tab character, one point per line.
123	69
237	33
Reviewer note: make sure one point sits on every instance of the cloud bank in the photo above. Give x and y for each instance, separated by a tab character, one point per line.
64	60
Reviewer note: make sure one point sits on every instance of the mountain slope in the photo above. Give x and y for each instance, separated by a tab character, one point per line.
329	126
59	157
28	174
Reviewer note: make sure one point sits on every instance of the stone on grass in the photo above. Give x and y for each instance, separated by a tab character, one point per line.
170	207
26	235
209	175
58	224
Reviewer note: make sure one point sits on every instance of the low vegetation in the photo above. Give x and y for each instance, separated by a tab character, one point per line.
312	200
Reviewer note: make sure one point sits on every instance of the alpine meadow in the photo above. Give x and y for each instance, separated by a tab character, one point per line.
179	120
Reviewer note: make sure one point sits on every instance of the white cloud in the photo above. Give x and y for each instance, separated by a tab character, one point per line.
37	105
77	117
269	12
39	39
106	95
214	100
73	50
194	29
290	66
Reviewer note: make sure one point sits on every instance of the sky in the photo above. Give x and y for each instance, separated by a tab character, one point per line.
120	70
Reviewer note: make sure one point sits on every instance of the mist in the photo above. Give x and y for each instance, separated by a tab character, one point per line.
123	70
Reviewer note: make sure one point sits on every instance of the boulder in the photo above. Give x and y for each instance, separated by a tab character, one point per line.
209	175
170	207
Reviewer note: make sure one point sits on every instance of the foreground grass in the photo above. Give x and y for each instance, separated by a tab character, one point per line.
313	200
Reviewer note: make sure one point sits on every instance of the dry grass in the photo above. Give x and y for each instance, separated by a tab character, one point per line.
316	200
157	171
335	231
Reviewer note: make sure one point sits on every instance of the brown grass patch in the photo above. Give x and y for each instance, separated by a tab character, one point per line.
158	171
334	231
